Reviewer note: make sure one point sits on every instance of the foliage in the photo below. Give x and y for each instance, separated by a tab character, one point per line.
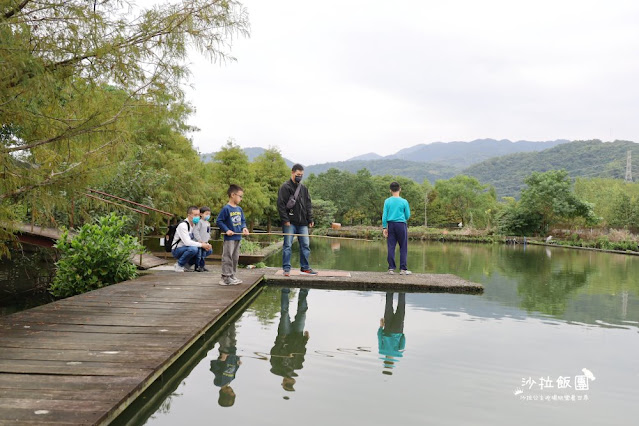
231	166
467	201
592	158
515	220
614	200
323	213
359	197
413	170
270	171
81	85
98	256
550	195
249	247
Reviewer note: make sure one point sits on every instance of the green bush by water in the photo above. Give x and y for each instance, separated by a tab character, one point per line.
249	247
98	256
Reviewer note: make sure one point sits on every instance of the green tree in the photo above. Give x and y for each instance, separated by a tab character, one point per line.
550	195
606	195
270	172
323	213
514	220
467	200
625	212
232	167
76	78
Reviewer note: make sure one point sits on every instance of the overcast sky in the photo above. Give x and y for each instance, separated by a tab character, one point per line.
326	81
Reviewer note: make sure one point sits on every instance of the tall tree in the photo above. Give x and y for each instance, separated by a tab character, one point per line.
466	199
232	167
76	75
270	172
550	195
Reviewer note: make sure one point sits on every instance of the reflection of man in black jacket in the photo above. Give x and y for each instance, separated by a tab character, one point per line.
225	366
287	355
295	220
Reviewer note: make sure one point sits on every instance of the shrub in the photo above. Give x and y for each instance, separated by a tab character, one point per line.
98	256
249	247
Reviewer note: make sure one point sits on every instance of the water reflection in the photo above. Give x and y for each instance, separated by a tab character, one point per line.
287	354
24	279
390	335
572	285
225	366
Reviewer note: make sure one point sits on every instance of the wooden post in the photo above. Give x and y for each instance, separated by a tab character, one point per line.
141	237
71	215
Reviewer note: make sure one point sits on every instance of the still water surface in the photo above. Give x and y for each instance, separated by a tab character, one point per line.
514	355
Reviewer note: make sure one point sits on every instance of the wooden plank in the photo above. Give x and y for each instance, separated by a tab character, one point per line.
52	404
111	329
111	395
82	383
148	261
76	368
121	356
23	416
107	345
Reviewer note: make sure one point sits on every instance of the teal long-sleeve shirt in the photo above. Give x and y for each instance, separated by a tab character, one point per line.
396	209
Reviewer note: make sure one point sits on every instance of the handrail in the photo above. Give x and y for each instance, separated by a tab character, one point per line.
117	204
131	202
142	213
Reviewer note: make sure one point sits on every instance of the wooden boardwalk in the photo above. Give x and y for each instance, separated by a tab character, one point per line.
46	237
82	360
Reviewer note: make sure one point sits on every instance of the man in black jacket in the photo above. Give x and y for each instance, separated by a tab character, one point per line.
296	219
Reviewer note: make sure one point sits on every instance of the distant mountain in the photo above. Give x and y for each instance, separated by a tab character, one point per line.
250	152
464	154
410	169
366	157
592	158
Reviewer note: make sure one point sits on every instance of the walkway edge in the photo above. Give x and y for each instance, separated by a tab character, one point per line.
116	411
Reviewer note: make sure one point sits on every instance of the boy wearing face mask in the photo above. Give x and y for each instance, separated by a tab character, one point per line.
185	247
202	233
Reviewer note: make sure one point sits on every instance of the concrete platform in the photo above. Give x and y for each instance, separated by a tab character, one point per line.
380	281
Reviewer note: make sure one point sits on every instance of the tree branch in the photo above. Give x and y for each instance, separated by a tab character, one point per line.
17	9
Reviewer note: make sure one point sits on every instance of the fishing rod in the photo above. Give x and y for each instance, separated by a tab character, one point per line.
280	234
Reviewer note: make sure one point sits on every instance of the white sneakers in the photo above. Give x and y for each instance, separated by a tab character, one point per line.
178	268
402	272
232	280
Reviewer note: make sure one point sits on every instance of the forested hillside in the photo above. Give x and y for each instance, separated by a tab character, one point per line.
410	169
464	154
592	158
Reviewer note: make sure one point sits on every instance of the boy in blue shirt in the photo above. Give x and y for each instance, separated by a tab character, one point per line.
232	223
394	221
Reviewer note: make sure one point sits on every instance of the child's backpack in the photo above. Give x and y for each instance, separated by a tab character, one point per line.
170	235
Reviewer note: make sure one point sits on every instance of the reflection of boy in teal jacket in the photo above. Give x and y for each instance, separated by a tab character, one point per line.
390	335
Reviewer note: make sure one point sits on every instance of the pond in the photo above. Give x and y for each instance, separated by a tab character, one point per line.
553	340
24	279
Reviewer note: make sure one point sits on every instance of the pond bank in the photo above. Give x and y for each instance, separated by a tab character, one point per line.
598	243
